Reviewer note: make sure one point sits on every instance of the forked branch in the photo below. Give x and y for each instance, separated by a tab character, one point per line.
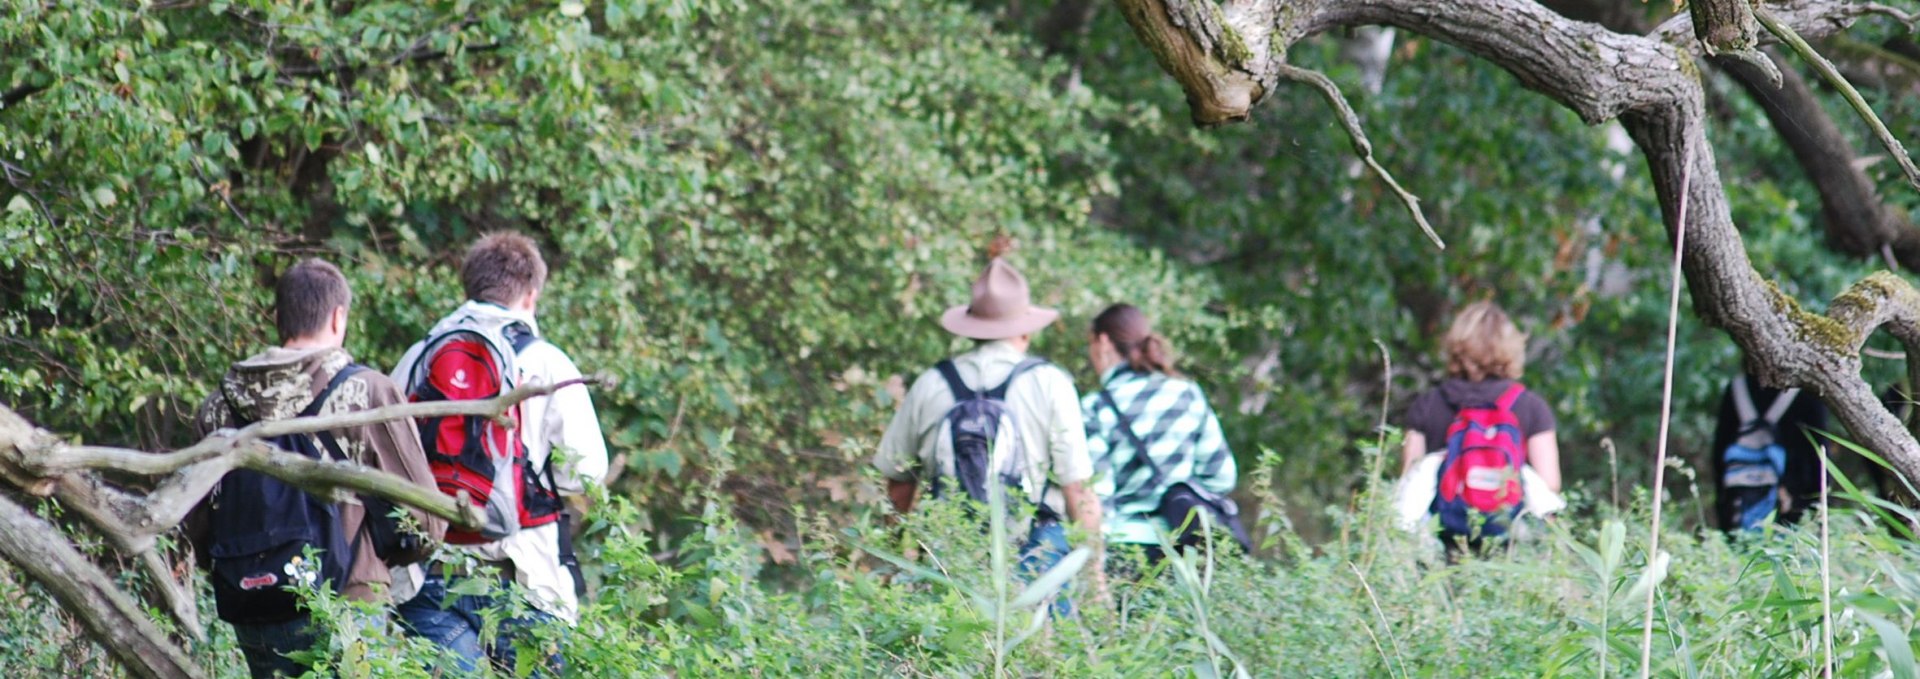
39	463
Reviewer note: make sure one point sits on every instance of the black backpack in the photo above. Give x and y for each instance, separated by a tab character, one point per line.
262	528
975	422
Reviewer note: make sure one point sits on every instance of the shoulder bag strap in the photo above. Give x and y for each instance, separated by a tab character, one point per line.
961	392
1743	401
1126	427
1780	405
325	438
999	393
1510	397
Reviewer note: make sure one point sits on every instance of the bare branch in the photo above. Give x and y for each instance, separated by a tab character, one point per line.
1361	146
1839	82
150	464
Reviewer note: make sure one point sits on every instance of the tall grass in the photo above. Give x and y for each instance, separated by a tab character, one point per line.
1560	605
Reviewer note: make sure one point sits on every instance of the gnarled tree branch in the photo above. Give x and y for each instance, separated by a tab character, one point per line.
1649	83
40	463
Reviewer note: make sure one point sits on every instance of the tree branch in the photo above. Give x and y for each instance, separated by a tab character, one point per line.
1857	222
1361	146
43	464
1652	86
1839	82
39	549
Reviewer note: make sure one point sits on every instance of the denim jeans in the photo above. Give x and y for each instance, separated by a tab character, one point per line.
456	627
265	647
1046	546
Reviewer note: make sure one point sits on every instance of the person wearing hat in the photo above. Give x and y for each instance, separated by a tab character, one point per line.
1042	405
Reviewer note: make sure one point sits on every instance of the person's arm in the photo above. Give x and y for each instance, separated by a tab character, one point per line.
1543	454
1412	449
898	456
1083	508
394	447
572	424
903	492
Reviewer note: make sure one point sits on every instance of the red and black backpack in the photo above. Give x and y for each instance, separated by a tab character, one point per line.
465	358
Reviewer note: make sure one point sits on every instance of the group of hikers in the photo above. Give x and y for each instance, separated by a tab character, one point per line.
256	535
1138	465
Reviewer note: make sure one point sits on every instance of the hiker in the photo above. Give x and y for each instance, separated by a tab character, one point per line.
1479	444
1156	444
1765	462
995	416
518	475
253	530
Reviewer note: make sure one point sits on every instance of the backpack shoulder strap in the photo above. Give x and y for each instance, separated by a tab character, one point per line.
1126	427
1743	400
519	336
326	437
1779	407
1510	397
961	392
999	393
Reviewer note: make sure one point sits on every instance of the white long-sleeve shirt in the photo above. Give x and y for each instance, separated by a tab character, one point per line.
564	420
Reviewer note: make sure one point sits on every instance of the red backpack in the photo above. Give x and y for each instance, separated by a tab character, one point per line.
468	358
1479	491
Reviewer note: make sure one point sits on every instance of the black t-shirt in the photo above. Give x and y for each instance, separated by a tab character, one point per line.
1802	476
1432	412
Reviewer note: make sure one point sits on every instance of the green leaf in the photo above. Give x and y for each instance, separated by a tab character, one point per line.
1054	579
1894	641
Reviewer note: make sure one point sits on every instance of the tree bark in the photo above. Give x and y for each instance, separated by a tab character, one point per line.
41	464
38	549
1652	86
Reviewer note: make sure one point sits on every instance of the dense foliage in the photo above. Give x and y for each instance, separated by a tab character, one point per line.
755	208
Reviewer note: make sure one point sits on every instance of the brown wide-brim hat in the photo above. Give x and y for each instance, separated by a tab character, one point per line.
1002	307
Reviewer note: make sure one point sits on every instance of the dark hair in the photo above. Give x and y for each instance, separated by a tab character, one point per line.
1132	335
502	267
306	295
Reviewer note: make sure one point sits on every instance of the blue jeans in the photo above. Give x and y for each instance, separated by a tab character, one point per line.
456	627
1046	546
266	646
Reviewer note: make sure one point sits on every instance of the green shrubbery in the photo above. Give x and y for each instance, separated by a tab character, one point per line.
1569	602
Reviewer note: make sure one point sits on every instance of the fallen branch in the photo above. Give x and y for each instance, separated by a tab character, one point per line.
42	464
1361	146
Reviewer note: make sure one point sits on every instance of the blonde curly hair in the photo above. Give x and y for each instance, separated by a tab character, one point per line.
1485	344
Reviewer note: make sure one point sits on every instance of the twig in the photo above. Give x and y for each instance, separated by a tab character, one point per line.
1904	17
1882	353
200	171
1839	82
1351	121
1666	404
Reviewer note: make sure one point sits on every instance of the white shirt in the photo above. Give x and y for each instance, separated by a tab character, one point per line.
564	420
1046	410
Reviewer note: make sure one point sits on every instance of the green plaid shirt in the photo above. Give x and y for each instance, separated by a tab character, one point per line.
1171	417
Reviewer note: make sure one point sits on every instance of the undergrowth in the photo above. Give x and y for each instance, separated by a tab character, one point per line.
1565	603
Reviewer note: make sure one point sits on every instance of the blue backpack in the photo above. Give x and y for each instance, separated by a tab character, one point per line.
1755	461
986	444
262	528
